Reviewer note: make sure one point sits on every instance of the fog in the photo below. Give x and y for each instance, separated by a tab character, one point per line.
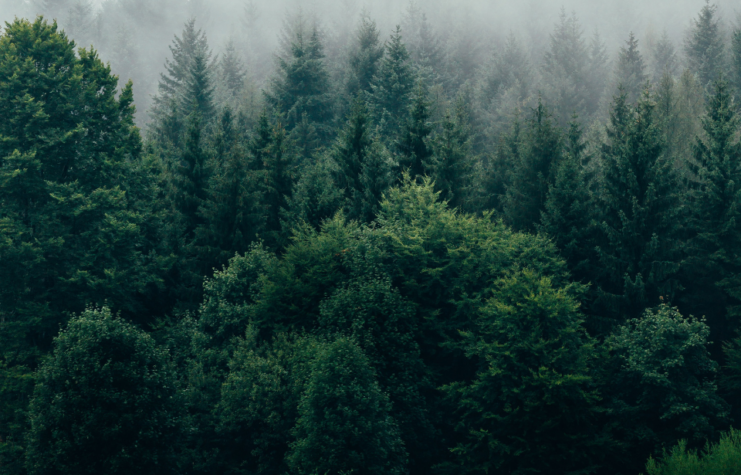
134	35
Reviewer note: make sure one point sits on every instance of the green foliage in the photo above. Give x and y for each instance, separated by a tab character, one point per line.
451	162
392	86
631	70
413	143
71	169
639	208
723	457
714	202
344	424
662	382
534	171
531	407
104	402
705	48
365	57
301	85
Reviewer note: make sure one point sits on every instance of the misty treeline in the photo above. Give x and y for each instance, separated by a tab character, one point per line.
398	259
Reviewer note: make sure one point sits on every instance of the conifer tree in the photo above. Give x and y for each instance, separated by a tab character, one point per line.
450	164
316	196
704	47
231	210
639	226
301	84
565	70
277	165
363	165
534	172
598	72
177	70
232	71
189	181
197	96
413	143
392	86
714	223
736	59
631	70
365	57
664	58
344	424
569	211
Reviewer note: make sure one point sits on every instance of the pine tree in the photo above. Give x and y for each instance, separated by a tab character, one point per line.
413	143
365	56
704	47
712	264
639	226
316	197
230	212
301	84
344	424
183	50
104	402
197	96
569	210
736	59
450	164
277	165
630	72
534	172
664	58
363	165
598	72
565	70
232	72
392	87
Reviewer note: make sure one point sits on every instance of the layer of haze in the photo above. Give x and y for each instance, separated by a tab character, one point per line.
134	35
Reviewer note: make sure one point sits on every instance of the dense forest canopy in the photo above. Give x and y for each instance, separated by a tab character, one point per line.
449	238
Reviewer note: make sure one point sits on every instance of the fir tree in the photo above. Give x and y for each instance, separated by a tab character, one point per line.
639	251
365	56
704	47
736	59
569	210
183	50
664	58
392	86
198	91
277	164
301	84
450	163
413	143
712	264
534	172
231	72
631	70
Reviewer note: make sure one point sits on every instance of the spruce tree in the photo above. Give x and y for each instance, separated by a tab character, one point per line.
736	59
565	70
301	84
534	172
451	163
392	86
599	63
413	143
183	50
704	47
232	71
639	250
664	58
277	169
569	210
631	70
714	221
365	56
344	424
197	96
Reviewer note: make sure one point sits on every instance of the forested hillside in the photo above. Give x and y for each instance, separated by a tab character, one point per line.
397	251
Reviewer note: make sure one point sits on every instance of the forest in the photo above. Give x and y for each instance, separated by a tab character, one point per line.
397	246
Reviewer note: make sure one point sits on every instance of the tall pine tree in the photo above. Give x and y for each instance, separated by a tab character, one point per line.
704	47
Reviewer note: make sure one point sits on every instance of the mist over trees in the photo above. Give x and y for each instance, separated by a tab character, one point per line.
268	237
